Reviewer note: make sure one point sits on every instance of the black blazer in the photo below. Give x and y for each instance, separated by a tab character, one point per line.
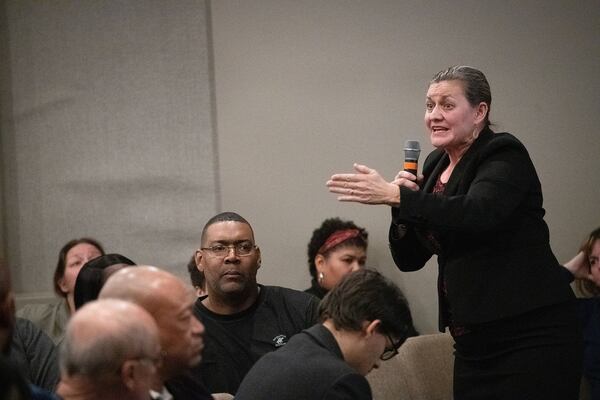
494	254
310	366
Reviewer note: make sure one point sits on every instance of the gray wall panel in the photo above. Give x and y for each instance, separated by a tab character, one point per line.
112	134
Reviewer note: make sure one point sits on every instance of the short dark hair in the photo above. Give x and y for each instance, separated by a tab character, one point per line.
196	276
366	295
477	89
59	272
224	217
322	233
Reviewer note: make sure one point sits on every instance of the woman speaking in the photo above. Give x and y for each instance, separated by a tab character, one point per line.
478	207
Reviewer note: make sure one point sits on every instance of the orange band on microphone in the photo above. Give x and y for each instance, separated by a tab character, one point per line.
410	165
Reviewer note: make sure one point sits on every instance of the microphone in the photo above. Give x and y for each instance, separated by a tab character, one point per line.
412	149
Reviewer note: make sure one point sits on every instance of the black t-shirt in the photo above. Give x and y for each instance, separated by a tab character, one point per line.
233	343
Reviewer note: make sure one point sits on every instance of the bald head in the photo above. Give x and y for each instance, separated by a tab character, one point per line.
170	301
106	336
145	285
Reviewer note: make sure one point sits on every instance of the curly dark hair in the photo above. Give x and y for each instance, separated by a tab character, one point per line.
328	227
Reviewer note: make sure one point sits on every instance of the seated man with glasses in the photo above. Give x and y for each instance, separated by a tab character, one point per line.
365	319
110	351
243	320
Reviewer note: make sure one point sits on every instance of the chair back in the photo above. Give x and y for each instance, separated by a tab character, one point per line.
422	370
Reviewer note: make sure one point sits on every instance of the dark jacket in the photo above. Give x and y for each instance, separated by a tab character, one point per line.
494	254
311	366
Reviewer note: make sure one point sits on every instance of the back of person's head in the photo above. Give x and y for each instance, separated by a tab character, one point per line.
227	216
61	265
366	295
94	274
105	341
585	287
332	234
7	308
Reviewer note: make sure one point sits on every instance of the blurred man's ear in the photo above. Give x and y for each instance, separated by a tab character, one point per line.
129	374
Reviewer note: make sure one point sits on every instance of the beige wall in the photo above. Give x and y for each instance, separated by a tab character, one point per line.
306	88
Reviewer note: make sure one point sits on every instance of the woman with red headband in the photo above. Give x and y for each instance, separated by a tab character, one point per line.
336	248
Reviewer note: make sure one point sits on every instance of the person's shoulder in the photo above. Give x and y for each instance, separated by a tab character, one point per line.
27	329
24	328
289	294
496	140
37	311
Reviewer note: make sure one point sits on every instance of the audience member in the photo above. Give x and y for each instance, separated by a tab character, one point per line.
586	268
170	302
335	249
364	320
27	361
52	318
196	277
244	320
94	274
110	351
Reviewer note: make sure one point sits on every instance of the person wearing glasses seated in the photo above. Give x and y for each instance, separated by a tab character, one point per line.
243	320
110	351
364	320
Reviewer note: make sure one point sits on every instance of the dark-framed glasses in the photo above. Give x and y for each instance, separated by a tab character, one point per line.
242	249
390	352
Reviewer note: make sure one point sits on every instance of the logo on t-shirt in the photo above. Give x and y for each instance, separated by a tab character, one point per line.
279	340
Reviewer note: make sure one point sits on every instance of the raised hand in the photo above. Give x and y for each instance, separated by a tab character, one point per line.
365	186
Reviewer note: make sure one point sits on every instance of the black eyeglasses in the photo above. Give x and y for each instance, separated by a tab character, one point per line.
242	249
390	352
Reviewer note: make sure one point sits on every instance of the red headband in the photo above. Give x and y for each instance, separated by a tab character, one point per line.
338	237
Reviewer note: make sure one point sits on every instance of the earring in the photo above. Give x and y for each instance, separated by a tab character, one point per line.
321	277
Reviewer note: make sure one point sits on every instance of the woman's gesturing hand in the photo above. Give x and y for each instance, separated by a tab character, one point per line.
365	186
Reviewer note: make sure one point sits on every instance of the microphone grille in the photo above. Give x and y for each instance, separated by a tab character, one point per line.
412	149
413	145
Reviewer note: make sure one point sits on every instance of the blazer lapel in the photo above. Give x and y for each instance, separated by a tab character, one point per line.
439	162
452	187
